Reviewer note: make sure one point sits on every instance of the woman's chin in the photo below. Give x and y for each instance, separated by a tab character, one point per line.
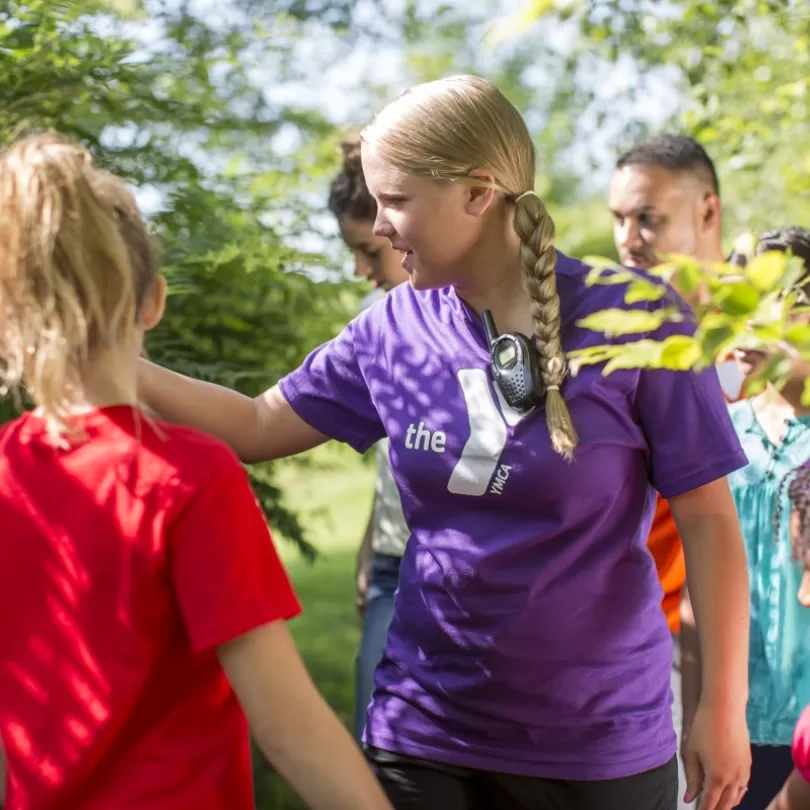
419	281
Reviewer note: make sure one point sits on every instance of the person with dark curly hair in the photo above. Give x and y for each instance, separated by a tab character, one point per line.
774	429
795	794
799	495
355	210
380	553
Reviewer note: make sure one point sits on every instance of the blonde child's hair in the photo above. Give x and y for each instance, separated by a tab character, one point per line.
76	262
446	129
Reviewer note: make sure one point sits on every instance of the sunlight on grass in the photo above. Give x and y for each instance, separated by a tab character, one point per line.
331	492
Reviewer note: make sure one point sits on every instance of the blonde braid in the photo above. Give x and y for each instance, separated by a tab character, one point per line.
536	230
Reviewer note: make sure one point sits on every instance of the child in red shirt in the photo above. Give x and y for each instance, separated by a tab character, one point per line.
143	602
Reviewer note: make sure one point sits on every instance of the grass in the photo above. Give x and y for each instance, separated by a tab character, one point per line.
332	497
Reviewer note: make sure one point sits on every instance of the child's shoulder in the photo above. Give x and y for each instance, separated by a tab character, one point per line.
182	463
190	453
164	454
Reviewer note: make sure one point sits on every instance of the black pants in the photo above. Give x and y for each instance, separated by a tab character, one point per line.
770	767
415	784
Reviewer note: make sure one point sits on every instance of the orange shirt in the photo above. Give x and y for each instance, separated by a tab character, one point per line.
665	546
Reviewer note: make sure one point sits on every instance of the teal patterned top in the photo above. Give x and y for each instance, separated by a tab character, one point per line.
779	663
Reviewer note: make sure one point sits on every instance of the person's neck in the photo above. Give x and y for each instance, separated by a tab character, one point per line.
494	281
111	379
712	252
786	401
506	298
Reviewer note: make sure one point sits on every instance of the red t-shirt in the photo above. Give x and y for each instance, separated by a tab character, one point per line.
124	562
801	745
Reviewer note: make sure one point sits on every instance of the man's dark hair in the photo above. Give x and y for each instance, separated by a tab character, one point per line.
678	153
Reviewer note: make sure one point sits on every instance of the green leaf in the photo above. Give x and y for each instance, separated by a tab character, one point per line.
798	335
641	354
680	352
768	333
686	269
616	321
755	386
606	271
642	290
796	272
592	355
737	298
602	263
607	279
688	279
764	271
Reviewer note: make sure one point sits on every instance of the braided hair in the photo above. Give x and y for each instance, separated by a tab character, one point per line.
444	130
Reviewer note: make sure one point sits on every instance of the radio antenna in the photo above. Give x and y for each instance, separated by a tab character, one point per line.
489	326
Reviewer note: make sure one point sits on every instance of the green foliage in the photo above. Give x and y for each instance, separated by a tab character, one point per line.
740	67
177	115
761	307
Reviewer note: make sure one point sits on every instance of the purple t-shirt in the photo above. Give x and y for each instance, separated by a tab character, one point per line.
528	634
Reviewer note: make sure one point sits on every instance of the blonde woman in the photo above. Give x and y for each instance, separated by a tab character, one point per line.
528	660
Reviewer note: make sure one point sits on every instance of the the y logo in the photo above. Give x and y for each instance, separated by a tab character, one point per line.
481	455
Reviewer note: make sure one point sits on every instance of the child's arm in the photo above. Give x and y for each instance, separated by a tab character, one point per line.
718	755
234	596
295	729
795	795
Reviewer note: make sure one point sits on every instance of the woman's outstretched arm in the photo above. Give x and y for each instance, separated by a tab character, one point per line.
258	429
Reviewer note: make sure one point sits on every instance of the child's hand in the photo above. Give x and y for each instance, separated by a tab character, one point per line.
717	759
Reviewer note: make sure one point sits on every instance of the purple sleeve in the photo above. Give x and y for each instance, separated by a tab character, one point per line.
684	415
685	418
331	389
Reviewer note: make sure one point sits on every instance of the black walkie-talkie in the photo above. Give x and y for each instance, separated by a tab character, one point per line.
515	366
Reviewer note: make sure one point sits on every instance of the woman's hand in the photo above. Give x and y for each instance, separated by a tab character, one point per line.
717	755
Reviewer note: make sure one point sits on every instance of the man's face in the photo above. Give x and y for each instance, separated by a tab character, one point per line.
657	211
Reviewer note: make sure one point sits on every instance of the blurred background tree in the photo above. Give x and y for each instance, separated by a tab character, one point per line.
735	74
164	98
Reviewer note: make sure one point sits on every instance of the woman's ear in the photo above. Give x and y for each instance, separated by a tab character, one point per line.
482	193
